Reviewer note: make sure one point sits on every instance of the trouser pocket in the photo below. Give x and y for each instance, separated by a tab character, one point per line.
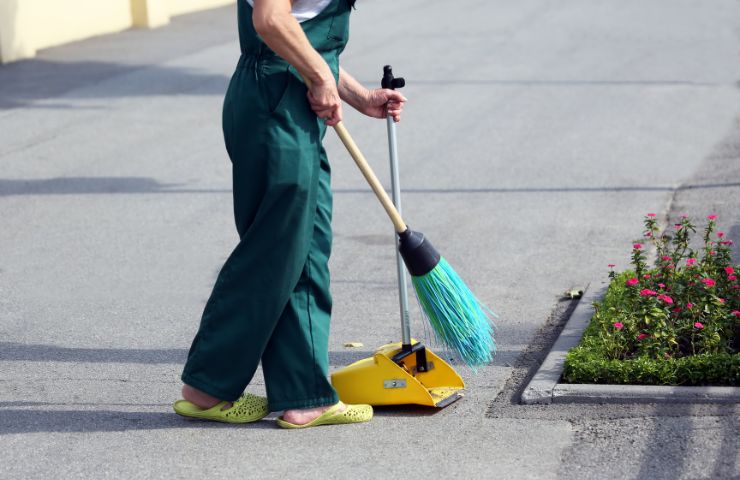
275	80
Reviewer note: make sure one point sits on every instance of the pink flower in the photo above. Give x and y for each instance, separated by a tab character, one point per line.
646	276
676	310
720	234
651	215
661	285
712	253
618	325
735	286
632	281
712	217
709	282
684	216
670	267
645	292
642	337
727	242
637	246
648	234
721	300
677	226
690	261
611	265
729	270
689	305
665	258
732	278
699	325
666	299
736	313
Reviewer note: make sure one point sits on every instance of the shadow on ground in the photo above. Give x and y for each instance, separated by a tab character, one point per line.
18	352
36	420
66	69
33	80
14	421
136	185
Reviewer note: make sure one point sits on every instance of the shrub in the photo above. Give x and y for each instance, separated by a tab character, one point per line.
674	323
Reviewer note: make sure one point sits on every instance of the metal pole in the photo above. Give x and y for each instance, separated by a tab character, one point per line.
403	295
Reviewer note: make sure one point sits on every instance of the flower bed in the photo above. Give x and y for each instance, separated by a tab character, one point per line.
676	322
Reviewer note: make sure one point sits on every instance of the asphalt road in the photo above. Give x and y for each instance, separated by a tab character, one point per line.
537	135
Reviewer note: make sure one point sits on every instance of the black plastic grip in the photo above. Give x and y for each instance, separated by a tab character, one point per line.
389	81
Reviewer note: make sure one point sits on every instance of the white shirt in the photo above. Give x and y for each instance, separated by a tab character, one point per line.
305	9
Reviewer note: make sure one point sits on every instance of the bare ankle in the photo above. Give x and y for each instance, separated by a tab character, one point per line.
305	415
199	398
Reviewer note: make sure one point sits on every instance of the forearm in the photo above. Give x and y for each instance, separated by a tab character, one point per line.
352	91
377	103
284	35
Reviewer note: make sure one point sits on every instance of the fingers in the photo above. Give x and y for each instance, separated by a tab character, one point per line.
332	117
394	102
393	108
394	96
325	102
332	121
395	113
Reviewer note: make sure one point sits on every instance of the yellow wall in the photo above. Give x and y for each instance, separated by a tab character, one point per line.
178	7
12	44
29	25
150	13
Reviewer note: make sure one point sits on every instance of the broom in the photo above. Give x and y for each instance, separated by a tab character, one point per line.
459	320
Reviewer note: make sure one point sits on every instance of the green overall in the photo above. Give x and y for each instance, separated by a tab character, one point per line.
271	300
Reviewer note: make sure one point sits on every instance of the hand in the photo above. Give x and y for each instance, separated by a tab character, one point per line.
382	102
325	101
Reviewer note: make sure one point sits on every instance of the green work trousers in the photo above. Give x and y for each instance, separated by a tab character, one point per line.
271	301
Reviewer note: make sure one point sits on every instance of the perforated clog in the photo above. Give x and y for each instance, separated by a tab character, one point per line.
248	408
334	416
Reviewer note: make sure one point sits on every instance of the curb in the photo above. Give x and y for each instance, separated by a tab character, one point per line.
544	388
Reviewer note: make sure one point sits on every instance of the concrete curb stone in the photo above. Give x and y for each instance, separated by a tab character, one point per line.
545	386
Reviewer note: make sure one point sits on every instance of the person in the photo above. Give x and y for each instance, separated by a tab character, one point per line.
271	301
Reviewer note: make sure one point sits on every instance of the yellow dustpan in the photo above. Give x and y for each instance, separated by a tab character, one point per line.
394	376
405	372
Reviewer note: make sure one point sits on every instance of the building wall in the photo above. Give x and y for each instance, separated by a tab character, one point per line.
178	7
29	25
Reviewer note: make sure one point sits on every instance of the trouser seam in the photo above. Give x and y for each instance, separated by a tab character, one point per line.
310	318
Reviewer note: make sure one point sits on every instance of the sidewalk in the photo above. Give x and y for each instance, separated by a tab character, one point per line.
536	137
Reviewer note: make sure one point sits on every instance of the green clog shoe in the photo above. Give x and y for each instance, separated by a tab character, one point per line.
248	408
333	416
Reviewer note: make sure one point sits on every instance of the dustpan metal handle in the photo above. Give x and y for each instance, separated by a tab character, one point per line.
403	296
389	81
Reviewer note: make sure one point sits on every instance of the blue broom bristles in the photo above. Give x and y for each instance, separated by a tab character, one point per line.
459	320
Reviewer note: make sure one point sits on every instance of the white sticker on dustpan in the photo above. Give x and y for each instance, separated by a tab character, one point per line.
394	383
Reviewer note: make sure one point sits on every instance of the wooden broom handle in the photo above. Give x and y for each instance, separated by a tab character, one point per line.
369	175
